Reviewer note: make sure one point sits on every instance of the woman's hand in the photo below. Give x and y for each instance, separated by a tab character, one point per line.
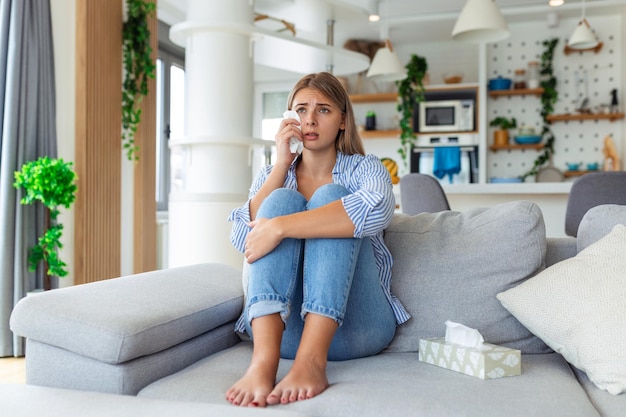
262	239
289	128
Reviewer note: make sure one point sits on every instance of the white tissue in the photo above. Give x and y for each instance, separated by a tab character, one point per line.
295	145
459	334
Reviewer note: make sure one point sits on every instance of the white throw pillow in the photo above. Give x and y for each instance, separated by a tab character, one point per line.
578	308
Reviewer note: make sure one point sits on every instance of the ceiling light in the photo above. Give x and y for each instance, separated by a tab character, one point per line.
386	65
583	37
555	3
480	21
374	16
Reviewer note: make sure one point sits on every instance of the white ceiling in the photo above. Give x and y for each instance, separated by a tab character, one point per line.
406	21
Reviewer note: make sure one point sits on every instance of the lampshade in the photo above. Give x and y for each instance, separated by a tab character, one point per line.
386	65
480	21
583	37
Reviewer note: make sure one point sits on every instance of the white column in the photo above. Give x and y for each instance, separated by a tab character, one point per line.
216	173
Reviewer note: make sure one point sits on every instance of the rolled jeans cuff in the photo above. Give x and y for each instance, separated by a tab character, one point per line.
263	305
331	313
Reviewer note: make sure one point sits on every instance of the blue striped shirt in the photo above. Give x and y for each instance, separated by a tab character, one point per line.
370	206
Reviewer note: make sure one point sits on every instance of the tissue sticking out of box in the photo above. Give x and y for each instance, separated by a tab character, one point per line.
295	145
462	335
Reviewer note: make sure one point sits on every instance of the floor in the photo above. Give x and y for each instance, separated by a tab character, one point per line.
12	370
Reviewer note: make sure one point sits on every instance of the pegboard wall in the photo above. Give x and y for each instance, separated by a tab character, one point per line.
581	73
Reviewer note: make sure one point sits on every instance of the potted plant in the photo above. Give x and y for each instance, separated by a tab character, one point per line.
501	134
51	182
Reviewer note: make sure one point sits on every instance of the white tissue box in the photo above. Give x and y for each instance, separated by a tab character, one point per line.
490	362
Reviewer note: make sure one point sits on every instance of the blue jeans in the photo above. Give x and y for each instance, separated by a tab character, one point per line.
335	278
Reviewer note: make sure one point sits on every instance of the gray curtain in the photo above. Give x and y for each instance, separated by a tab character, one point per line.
28	131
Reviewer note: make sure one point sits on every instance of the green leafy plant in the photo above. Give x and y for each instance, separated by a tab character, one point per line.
138	68
548	99
503	123
410	92
51	182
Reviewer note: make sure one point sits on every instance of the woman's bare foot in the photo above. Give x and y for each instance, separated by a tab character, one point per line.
258	381
253	387
305	380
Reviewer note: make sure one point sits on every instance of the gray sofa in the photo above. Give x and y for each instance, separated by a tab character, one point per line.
167	336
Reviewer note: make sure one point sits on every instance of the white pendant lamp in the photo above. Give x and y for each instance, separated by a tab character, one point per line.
583	37
386	65
480	21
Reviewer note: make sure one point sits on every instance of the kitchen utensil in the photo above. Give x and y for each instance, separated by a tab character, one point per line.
573	166
500	83
582	100
549	173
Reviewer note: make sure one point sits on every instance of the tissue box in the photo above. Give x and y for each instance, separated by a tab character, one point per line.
490	362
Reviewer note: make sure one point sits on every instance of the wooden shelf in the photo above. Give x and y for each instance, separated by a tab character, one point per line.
569	173
373	134
584	116
515	146
516	92
373	98
567	50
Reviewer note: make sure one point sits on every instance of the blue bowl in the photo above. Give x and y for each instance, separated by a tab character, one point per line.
500	83
527	139
593	166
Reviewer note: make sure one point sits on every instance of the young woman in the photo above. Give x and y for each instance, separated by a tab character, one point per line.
312	232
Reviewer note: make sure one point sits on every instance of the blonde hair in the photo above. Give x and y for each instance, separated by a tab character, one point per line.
348	140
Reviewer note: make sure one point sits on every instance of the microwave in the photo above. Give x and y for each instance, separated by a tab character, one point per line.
445	116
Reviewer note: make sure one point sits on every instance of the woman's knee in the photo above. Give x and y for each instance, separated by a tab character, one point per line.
327	194
280	202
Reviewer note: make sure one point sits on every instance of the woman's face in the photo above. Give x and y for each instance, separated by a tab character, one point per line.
320	119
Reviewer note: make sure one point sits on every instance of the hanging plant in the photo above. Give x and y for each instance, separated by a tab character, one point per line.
138	68
548	99
410	92
51	182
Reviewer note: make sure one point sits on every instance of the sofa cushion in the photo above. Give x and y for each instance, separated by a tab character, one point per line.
450	266
578	308
145	313
397	384
34	401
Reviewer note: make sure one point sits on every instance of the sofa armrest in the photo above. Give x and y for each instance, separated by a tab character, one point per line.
598	221
117	320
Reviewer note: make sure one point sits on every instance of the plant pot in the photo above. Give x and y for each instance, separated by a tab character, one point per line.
501	137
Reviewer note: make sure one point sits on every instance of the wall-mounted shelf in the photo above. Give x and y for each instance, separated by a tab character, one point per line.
584	116
533	146
516	92
570	173
567	50
373	134
373	98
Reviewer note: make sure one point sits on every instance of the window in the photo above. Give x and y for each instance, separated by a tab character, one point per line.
170	111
